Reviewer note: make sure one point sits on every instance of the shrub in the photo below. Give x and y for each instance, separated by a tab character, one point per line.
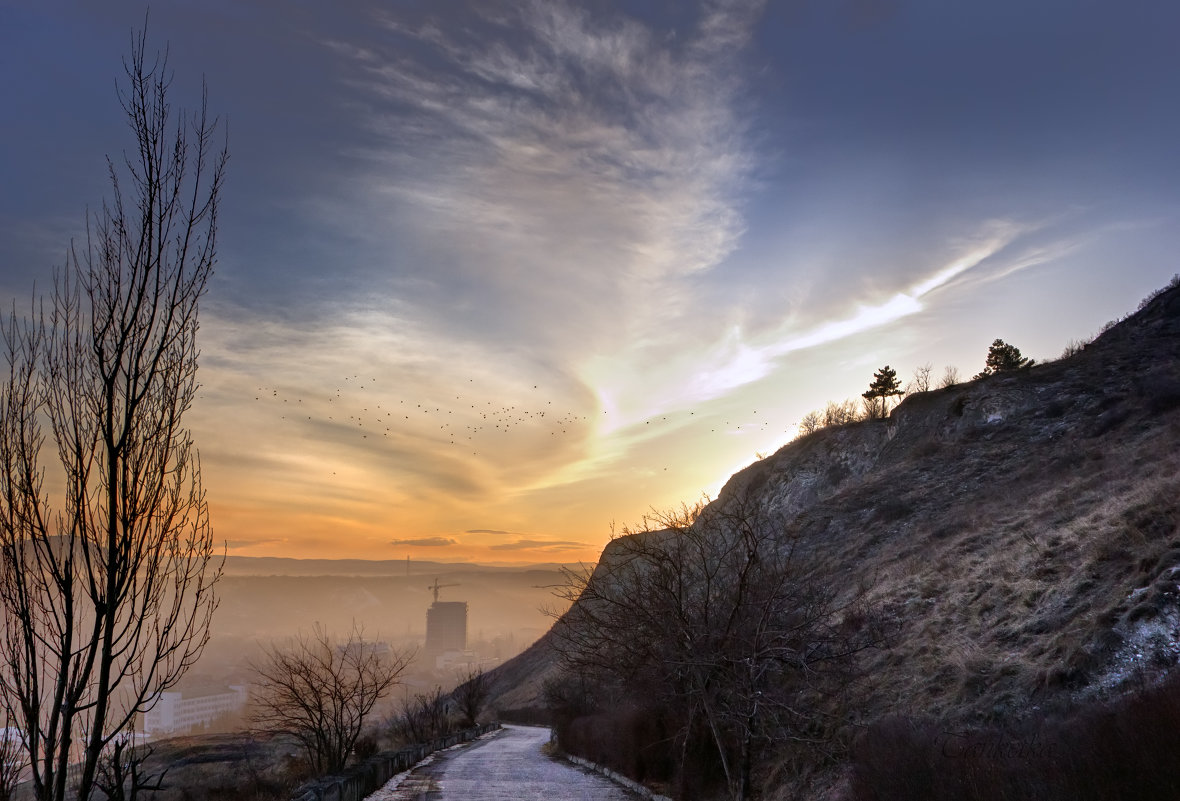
1124	749
1074	347
1172	284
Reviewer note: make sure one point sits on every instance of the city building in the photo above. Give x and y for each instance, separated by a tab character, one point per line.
179	712
446	627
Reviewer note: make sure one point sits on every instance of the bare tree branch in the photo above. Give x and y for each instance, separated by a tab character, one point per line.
321	692
424	716
714	611
471	694
108	594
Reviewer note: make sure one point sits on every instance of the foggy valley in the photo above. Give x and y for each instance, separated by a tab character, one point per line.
264	601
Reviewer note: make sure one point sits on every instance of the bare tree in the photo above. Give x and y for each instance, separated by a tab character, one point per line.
811	422
107	596
424	716
713	611
838	414
950	377
471	694
833	414
121	774
921	382
13	759
321	691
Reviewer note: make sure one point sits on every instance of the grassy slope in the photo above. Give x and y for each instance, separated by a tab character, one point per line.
1020	531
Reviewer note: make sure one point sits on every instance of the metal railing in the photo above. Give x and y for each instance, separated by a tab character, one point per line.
363	779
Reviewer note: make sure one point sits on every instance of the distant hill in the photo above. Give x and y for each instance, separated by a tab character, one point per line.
282	566
1020	533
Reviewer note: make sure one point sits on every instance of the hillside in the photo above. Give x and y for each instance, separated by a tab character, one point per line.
1018	533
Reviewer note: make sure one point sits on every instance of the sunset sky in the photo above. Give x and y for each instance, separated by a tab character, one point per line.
494	275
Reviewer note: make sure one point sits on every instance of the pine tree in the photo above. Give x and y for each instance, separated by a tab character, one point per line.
1002	357
885	386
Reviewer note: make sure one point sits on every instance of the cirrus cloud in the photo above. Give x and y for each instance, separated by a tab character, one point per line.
426	542
539	545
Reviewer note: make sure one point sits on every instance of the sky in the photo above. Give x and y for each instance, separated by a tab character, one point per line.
498	278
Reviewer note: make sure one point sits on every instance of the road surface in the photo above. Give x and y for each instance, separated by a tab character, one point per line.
507	766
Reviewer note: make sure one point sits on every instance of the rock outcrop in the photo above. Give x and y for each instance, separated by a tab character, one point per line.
1019	532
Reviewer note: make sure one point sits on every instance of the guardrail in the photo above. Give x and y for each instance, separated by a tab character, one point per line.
367	777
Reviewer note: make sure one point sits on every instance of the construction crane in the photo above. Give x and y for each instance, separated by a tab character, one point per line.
436	587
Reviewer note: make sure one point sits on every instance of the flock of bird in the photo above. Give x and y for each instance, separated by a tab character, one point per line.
358	404
463	422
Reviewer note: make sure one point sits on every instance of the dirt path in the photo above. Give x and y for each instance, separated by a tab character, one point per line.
507	766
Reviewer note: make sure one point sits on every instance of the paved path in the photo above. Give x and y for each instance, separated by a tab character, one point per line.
506	766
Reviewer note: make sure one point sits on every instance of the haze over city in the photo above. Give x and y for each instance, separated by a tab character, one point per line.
493	276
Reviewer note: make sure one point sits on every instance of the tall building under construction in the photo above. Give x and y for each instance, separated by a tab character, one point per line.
446	627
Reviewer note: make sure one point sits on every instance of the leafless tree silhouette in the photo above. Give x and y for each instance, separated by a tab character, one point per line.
714	611
121	775
423	716
921	382
13	757
321	692
107	595
471	694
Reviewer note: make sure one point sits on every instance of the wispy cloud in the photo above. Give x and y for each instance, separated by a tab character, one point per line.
566	167
425	542
234	545
580	243
534	177
538	545
685	378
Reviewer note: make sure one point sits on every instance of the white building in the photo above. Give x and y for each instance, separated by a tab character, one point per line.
177	712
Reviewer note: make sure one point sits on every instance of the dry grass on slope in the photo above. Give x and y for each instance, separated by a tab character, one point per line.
1020	597
517	687
1020	532
227	767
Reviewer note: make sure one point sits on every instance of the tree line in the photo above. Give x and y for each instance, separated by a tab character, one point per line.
886	389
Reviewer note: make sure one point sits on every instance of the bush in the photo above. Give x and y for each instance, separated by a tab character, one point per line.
1162	392
1074	347
423	717
1175	282
365	747
834	414
1124	749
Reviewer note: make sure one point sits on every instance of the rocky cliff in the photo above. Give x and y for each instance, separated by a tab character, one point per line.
1019	533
